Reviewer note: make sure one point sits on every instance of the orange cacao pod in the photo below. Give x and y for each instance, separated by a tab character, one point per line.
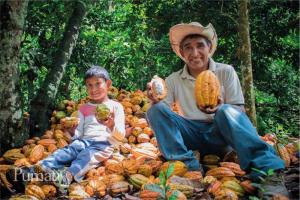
207	89
35	190
113	167
283	153
179	168
49	190
61	143
145	170
193	175
248	187
234	167
214	187
130	166
220	172
46	142
51	148
36	153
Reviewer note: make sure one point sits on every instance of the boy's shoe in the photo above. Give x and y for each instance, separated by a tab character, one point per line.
61	178
273	186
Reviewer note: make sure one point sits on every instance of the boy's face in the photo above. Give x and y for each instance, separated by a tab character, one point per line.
97	88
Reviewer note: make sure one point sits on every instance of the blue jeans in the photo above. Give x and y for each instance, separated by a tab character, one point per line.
79	156
178	136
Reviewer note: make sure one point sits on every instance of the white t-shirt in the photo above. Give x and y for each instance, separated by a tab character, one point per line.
90	128
181	85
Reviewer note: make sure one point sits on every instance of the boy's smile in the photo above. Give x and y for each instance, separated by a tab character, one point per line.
97	89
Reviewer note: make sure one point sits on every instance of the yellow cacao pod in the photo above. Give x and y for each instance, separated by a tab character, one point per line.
207	89
35	190
179	168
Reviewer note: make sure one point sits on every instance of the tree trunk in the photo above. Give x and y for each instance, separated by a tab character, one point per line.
40	110
12	127
245	58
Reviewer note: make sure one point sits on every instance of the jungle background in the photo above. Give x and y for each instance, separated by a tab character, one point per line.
46	46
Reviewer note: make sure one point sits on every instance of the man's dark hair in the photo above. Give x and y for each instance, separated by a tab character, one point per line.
191	36
96	71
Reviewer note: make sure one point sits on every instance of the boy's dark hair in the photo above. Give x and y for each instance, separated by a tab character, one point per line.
96	71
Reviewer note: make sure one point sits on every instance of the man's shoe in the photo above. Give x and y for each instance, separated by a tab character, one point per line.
273	186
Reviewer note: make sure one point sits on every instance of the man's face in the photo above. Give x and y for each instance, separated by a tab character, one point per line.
195	51
97	88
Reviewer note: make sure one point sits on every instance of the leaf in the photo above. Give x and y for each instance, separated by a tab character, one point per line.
162	179
253	198
259	171
174	195
270	172
170	170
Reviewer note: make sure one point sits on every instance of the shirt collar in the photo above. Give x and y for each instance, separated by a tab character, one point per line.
185	73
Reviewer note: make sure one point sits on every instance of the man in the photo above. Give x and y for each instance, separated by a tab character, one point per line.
211	131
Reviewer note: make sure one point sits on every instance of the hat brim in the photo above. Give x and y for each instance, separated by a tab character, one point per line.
180	31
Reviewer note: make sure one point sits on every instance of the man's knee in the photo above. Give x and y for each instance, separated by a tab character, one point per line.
226	109
157	109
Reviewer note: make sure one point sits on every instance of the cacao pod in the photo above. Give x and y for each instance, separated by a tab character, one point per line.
145	170
234	186
283	153
36	153
49	190
130	166
176	194
207	89
137	180
35	190
23	197
179	168
248	187
46	142
234	167
185	189
193	175
220	172
113	167
102	112
143	137
211	159
119	187
226	194
12	155
158	88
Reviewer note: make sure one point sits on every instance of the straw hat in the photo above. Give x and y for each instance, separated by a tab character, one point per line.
180	31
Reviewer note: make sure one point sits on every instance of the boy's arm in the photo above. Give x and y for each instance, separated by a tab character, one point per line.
77	132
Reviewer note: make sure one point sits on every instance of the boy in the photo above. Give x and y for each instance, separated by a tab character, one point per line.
92	139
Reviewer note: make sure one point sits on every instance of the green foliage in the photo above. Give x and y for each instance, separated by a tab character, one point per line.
130	39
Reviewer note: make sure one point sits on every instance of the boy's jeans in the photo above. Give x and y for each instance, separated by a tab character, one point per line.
82	155
178	136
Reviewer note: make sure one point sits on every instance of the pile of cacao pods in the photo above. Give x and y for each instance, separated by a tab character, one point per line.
136	164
